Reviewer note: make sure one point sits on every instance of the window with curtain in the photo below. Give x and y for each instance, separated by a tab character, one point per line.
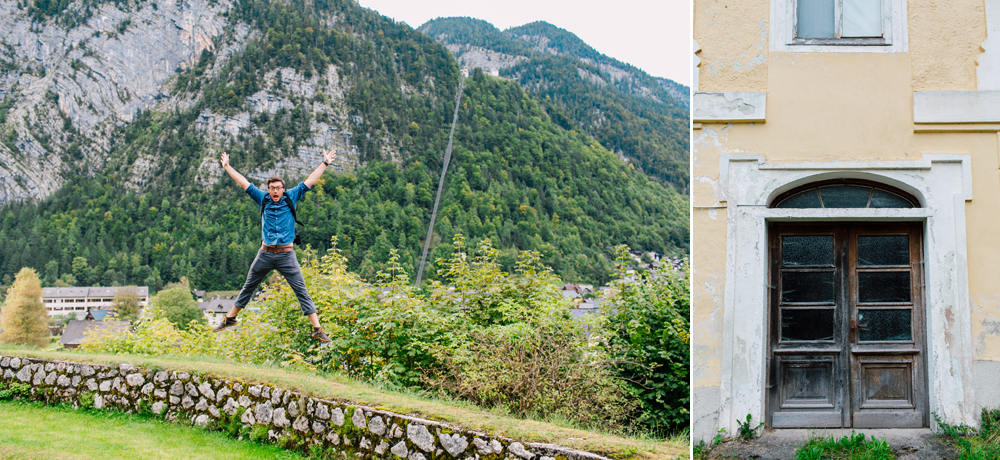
848	20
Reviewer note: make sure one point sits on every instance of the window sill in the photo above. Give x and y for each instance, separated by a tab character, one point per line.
840	42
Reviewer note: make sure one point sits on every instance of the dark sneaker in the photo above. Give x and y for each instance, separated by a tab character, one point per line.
318	334
228	323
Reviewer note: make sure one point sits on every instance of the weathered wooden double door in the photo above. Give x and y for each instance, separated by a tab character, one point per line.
846	342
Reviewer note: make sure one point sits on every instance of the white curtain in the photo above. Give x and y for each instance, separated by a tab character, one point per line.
862	18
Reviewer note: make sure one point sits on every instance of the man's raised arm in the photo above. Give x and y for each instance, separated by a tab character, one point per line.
244	183
314	177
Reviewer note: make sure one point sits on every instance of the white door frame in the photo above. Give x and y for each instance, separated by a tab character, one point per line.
941	182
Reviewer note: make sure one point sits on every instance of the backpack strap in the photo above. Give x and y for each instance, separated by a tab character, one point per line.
288	201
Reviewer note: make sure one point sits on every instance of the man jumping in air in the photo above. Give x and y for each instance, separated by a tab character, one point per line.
277	232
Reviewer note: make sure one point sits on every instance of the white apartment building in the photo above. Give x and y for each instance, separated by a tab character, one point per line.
63	300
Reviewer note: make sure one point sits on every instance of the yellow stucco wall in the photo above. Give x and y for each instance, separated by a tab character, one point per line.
708	289
944	43
733	38
838	106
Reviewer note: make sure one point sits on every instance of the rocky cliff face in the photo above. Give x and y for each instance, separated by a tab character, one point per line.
67	89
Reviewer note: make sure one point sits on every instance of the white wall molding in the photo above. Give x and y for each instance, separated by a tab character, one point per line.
988	63
728	106
956	106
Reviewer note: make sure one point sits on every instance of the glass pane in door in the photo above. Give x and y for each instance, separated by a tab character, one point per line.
811	287
884	325
806	325
883	287
797	250
883	250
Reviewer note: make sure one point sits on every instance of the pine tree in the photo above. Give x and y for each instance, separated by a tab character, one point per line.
23	317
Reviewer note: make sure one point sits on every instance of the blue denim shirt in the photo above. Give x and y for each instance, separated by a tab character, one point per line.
277	226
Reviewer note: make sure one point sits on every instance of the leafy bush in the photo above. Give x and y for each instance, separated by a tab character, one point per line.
538	370
647	335
178	305
377	336
126	304
516	346
155	334
15	391
495	338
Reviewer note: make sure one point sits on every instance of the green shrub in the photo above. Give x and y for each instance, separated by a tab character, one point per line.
15	391
258	433
156	334
515	345
647	336
86	400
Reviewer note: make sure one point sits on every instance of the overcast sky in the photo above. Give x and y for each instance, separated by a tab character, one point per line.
653	35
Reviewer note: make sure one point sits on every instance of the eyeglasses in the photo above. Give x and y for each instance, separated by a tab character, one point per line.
276	187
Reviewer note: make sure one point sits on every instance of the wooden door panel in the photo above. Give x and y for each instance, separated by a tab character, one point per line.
889	419
885	384
807	419
807	383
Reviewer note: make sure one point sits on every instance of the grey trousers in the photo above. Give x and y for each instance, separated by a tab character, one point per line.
285	263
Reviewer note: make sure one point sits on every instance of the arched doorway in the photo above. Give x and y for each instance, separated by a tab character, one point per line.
846	314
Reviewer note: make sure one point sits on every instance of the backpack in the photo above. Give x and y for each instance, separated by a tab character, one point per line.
288	201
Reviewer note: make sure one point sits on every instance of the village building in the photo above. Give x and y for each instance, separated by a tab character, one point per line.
79	330
845	204
215	310
80	300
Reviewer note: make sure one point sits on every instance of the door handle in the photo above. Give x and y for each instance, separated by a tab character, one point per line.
854	328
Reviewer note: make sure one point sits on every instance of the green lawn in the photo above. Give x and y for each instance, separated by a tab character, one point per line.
35	431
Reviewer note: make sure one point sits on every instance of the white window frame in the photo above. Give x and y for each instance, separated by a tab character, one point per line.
893	40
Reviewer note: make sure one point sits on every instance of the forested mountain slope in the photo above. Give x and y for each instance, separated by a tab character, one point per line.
642	118
114	114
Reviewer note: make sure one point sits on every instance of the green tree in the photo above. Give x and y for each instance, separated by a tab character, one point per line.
178	305
23	317
67	279
126	304
51	272
81	270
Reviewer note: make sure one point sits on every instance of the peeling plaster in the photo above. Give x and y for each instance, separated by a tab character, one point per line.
988	328
706	134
